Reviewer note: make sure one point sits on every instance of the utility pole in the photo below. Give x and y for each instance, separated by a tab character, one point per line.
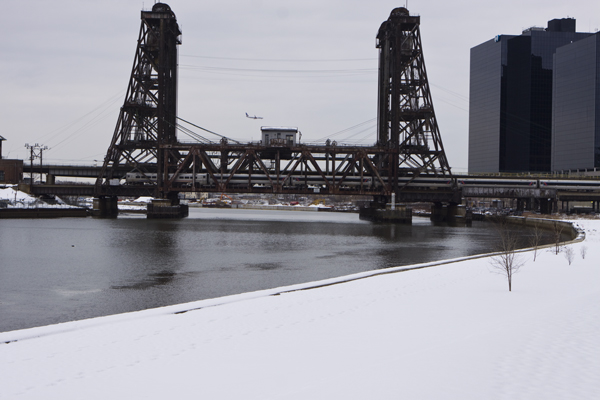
36	151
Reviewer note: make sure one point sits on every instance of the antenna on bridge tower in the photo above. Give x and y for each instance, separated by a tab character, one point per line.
406	119
147	121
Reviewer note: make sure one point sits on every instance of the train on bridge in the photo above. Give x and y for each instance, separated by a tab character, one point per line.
205	180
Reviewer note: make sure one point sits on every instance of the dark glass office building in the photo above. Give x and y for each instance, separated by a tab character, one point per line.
510	112
576	106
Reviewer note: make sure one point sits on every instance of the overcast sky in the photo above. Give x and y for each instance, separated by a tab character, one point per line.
311	64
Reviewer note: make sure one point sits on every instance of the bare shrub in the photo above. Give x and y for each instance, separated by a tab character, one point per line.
583	251
569	254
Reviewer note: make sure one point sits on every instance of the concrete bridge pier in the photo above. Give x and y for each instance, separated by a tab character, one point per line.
554	206
385	209
524	204
105	207
451	213
546	206
166	208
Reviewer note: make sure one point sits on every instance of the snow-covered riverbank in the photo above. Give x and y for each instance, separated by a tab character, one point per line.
452	331
14	198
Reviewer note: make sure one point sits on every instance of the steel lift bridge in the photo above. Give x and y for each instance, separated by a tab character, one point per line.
408	148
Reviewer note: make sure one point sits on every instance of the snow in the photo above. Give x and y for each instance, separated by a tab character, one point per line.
441	331
143	199
9	193
18	199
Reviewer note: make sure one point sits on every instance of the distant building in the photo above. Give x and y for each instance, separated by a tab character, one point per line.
279	136
11	171
510	111
576	106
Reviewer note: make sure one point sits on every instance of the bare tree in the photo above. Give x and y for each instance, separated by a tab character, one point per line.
569	254
507	262
583	251
535	239
558	229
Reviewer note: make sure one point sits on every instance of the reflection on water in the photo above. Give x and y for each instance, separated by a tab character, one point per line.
264	266
153	279
66	269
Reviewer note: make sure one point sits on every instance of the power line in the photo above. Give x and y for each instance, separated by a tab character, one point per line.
345	130
456	94
104	107
281	71
281	59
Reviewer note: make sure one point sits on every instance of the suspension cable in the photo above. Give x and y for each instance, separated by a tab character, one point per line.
206	130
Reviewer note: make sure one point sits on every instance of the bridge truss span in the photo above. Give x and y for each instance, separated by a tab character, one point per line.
254	168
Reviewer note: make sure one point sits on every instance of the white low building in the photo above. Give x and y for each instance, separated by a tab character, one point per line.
279	136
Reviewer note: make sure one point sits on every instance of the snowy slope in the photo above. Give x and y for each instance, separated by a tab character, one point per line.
452	331
16	196
18	199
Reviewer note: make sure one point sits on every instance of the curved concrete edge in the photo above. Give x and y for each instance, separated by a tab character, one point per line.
32	333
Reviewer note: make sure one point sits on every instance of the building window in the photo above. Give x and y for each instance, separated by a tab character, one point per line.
1	176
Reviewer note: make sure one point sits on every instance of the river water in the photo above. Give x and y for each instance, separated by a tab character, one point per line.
56	270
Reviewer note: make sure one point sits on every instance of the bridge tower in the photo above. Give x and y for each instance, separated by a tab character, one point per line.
406	119
406	123
147	121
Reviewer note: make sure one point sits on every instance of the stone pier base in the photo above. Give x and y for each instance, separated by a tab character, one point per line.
450	213
401	214
165	208
105	207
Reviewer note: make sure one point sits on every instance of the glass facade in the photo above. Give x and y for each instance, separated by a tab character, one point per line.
510	116
576	106
485	104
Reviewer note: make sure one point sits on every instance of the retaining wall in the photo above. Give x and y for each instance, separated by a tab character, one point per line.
546	224
42	212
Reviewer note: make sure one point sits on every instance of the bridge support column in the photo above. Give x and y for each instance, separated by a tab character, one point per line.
553	206
105	206
50	179
453	214
167	208
379	211
545	206
521	204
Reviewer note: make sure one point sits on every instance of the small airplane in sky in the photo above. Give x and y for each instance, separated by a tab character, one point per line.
253	117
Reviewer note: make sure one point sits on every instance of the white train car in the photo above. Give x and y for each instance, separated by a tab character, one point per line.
567	184
140	178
